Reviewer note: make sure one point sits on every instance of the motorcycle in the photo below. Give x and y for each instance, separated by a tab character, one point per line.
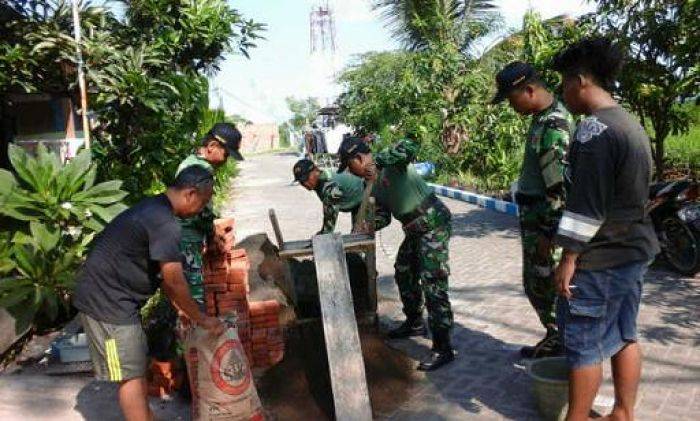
675	212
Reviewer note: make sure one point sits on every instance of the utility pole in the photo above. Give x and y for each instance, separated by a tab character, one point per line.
81	75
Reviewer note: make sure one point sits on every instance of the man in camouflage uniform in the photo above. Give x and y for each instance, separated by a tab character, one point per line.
540	195
421	266
339	192
221	142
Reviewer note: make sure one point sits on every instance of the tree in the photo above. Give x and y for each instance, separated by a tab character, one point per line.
442	32
418	23
663	68
145	73
377	90
442	95
303	111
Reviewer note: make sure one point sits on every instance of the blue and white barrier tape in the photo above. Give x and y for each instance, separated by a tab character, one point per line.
477	199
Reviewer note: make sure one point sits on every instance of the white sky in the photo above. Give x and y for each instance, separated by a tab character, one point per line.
281	66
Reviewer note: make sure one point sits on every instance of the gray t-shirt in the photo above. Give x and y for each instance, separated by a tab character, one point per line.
607	184
121	271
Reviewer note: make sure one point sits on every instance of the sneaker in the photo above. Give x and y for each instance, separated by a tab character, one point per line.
441	354
437	359
410	327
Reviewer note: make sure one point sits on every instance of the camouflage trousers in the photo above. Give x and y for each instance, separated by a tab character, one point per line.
539	262
192	268
422	267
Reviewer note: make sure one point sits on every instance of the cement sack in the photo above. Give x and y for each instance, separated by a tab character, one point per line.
220	377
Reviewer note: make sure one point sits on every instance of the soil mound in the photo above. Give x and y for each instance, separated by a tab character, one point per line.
299	387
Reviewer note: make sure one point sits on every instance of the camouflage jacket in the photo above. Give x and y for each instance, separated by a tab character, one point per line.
338	193
398	189
542	173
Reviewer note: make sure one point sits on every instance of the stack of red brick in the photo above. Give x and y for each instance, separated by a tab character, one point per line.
226	290
268	345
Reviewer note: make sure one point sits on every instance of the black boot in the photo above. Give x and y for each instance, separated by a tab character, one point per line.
441	354
550	346
412	326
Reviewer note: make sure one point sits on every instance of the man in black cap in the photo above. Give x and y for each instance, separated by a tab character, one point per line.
422	268
220	143
540	194
339	192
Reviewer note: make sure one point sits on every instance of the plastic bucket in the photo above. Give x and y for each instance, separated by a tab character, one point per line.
550	382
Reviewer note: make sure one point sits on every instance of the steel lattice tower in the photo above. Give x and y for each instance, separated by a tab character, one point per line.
322	30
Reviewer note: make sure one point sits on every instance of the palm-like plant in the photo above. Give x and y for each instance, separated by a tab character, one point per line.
441	32
418	23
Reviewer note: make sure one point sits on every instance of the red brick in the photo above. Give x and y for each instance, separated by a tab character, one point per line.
228	306
239	290
216	277
272	306
264	308
274	334
215	262
237	253
256	338
227	243
237	276
226	311
212	287
264	318
231	296
256	308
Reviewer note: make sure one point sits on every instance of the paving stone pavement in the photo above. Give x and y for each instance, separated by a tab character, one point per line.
493	318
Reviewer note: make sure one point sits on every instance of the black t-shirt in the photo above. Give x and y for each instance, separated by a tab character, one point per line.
121	271
607	189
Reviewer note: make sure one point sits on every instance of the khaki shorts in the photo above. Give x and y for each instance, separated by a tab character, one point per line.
118	352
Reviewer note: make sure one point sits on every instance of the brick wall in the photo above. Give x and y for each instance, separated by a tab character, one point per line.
259	137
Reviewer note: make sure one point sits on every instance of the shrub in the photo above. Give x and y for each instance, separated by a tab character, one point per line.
55	211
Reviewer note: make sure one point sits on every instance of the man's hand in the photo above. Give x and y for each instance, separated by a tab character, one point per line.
219	244
185	321
175	287
563	274
214	326
371	171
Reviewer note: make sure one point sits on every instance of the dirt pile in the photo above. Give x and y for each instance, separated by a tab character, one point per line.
299	387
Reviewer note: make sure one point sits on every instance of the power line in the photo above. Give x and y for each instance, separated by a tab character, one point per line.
243	102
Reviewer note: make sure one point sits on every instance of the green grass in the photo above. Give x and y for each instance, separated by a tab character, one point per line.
683	151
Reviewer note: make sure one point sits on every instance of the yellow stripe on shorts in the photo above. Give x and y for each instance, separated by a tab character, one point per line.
115	372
